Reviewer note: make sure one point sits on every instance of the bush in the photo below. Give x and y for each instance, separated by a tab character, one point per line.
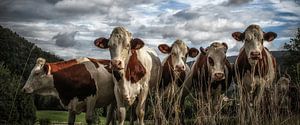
20	110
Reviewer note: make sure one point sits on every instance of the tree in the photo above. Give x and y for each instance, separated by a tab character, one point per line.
293	57
14	108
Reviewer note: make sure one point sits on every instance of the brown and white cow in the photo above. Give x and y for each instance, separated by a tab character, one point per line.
136	68
210	73
174	65
255	67
81	85
174	71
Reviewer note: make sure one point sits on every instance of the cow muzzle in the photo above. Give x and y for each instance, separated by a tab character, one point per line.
219	76
255	55
116	64
179	68
27	90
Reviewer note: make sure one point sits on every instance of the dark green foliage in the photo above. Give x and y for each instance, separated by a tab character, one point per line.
292	62
293	57
20	110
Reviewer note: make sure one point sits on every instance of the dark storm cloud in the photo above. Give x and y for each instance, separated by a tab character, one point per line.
237	2
185	14
65	39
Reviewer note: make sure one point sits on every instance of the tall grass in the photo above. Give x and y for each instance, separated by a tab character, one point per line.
268	105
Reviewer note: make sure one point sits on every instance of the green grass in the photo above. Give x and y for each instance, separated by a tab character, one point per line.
61	116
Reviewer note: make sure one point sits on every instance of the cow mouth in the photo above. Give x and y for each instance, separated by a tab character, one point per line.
255	57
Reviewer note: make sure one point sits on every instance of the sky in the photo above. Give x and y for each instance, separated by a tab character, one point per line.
68	28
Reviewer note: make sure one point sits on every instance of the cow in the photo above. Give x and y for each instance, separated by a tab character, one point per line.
136	69
255	67
81	85
174	69
210	74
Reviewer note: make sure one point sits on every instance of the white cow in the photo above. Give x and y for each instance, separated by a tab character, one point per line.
135	70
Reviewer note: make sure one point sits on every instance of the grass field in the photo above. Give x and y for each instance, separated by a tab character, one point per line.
61	116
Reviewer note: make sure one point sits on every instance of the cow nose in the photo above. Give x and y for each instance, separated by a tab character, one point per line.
116	64
179	68
126	98
219	75
255	54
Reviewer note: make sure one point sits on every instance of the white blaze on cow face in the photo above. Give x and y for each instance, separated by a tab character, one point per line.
253	39
178	54
119	47
38	80
216	56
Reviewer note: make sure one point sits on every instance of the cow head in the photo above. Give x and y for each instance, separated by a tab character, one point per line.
253	39
178	54
120	44
216	59
39	79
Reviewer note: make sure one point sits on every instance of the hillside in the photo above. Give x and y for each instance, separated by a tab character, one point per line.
15	51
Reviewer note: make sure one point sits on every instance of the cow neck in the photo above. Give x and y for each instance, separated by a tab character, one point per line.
56	66
104	62
168	75
74	82
200	77
135	70
261	68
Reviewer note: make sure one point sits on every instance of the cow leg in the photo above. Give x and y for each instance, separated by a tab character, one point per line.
110	117
90	107
140	109
71	119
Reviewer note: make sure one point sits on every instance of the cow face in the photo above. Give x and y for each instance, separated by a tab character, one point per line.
178	54
253	38
216	57
120	44
38	79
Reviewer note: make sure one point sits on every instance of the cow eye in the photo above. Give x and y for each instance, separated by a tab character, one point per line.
210	61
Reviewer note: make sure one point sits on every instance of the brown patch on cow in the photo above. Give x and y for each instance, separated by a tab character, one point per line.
74	81
201	78
261	68
56	66
104	62
135	70
168	75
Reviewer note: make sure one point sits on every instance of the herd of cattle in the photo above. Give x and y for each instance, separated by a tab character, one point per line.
135	70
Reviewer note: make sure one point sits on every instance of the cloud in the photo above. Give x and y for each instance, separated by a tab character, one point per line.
65	39
156	21
237	2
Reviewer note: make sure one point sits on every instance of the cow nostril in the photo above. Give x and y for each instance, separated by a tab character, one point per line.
219	75
255	53
179	67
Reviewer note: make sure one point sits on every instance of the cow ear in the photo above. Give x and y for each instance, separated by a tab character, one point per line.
203	51
137	43
47	69
225	47
193	52
270	36
238	36
101	43
40	61
164	48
